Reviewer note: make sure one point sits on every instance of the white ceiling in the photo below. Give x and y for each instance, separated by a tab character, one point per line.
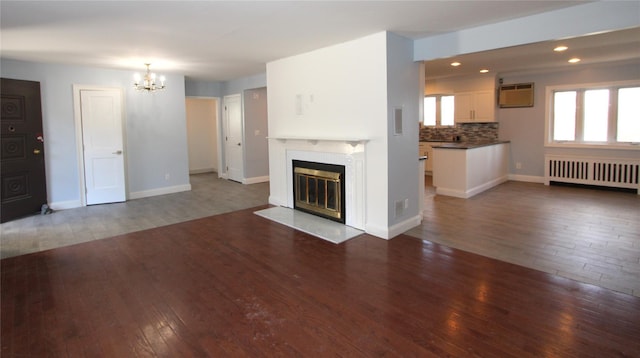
617	46
223	40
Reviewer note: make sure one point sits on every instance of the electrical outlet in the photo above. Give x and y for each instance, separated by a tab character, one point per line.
518	165
406	203
167	177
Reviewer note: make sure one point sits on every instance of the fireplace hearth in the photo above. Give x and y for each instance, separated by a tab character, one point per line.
319	189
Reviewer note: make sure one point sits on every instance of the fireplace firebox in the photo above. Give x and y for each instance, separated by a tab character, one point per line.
319	189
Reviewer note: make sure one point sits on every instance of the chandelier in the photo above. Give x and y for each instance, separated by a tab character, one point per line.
148	81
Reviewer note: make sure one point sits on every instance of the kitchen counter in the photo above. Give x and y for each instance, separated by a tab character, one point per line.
465	173
468	145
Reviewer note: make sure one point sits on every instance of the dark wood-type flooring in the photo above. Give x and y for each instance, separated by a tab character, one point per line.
239	285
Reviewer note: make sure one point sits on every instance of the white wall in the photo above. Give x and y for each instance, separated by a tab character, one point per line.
195	88
403	91
255	156
156	140
343	93
451	85
347	91
255	125
202	134
238	85
525	126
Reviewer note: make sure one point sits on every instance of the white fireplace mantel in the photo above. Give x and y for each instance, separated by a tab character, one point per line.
314	140
354	164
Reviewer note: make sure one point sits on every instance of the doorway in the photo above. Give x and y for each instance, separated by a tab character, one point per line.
100	138
24	189
202	134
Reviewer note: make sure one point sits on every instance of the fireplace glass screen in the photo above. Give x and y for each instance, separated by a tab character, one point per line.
319	189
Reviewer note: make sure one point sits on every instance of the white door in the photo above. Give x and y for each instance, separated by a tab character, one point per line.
233	138
101	112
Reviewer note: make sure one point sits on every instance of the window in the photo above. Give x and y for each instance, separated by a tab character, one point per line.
430	110
446	108
595	115
438	110
628	115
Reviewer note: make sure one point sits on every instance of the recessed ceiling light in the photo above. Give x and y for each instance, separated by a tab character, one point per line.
560	48
484	70
574	60
455	64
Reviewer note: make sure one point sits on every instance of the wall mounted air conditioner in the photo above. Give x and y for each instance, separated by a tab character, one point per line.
516	95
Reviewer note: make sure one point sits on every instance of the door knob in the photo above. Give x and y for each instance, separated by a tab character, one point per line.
118	152
36	151
238	144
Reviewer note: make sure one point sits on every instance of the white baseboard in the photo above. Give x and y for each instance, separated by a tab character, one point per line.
275	201
159	191
526	178
466	194
403	226
63	205
202	171
255	180
451	192
486	186
395	230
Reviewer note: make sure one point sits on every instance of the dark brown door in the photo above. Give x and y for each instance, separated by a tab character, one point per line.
24	189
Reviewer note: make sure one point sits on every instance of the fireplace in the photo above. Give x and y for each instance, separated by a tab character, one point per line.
319	189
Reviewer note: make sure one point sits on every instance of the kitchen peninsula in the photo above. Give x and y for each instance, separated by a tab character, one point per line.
464	169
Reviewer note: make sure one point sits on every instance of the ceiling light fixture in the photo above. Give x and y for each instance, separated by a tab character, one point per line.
574	60
148	81
560	48
484	70
455	64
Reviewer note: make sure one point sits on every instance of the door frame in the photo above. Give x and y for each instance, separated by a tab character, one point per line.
223	133
77	114
219	129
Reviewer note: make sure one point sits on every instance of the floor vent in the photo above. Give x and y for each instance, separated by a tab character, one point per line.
618	173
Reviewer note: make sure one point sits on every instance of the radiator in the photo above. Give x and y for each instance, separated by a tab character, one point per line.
611	172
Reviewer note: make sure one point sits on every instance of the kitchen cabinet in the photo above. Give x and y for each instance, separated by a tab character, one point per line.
474	106
427	150
463	170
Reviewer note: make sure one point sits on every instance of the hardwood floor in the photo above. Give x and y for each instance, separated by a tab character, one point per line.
237	284
583	234
209	195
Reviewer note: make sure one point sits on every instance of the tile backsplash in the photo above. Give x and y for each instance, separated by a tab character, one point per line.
466	132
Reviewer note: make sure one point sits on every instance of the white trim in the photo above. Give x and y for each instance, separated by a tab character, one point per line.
255	180
403	226
377	231
576	145
472	191
526	178
273	200
159	191
63	205
452	192
486	186
355	180
77	116
395	230
218	133
548	127
202	171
